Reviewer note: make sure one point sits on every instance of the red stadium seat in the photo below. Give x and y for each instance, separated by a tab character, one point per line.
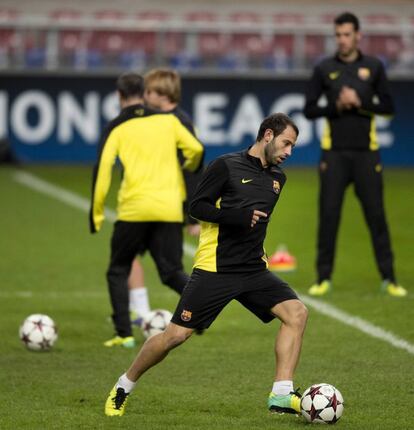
245	17
247	43
380	19
210	45
252	44
174	42
8	14
145	41
201	16
108	47
314	46
109	15
108	41
284	42
153	15
34	39
64	15
280	58
8	39
387	47
288	18
70	40
328	18
213	44
34	44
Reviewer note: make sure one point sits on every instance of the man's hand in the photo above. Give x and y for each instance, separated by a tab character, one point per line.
348	99
256	216
193	229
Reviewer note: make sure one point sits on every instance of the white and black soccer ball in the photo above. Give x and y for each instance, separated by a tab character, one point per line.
322	403
38	332
155	322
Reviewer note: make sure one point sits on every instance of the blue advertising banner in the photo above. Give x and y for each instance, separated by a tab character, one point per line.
60	118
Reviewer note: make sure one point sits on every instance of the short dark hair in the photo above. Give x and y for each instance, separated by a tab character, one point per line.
130	85
277	122
347	18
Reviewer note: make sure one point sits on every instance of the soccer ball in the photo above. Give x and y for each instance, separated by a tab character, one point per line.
155	322
38	332
322	403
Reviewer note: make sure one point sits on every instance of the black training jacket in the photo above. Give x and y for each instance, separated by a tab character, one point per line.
191	179
354	129
232	187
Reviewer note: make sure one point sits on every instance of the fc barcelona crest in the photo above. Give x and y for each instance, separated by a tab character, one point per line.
364	73
186	315
276	187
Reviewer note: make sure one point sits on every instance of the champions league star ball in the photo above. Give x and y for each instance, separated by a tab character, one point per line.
38	332
322	403
155	322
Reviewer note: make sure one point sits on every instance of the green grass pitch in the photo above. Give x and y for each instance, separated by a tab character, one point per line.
51	264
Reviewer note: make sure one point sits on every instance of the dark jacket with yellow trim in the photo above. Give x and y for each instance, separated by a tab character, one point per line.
191	179
231	188
146	144
351	129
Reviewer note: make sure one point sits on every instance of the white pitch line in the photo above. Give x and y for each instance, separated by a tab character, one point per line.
54	294
358	323
79	202
59	193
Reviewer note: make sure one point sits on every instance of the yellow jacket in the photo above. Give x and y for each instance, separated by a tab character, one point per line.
146	144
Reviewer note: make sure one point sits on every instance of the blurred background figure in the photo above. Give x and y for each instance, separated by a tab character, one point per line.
356	90
163	92
150	198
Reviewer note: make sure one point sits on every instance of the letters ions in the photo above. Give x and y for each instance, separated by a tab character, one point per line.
34	116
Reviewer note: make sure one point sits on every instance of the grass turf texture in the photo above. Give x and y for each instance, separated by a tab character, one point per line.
50	264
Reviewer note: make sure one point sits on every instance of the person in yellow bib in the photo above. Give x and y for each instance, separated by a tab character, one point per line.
163	92
150	199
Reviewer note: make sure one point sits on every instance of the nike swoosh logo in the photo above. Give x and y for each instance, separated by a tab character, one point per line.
245	181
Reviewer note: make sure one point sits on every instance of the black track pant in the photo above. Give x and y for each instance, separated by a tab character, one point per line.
165	243
337	170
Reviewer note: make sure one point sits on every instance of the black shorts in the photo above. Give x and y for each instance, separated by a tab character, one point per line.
207	293
164	240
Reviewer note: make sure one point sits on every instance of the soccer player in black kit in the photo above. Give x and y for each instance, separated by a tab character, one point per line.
356	89
234	202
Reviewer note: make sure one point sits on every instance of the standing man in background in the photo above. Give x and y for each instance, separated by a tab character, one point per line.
163	92
150	203
356	89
